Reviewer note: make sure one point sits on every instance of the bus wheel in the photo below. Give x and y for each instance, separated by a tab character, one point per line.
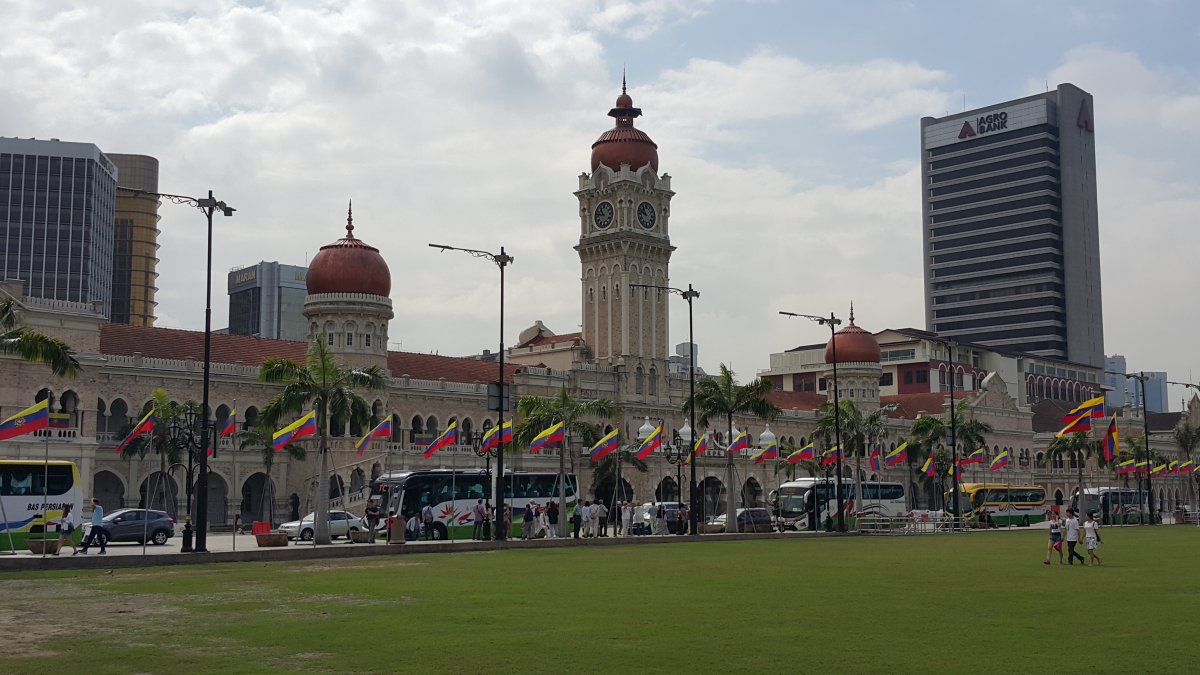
439	532
1025	521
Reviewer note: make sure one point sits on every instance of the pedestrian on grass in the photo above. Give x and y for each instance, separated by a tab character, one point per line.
527	521
97	533
478	515
372	513
507	519
585	519
552	519
1072	525
1091	536
660	520
1055	543
427	521
601	518
66	530
627	516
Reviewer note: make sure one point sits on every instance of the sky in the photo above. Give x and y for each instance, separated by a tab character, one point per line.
790	130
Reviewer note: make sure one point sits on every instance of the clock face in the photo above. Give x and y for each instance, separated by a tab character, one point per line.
604	215
646	215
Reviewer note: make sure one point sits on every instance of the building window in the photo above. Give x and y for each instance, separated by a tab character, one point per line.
908	377
922	377
637	380
366	339
329	339
885	380
349	339
821	385
653	382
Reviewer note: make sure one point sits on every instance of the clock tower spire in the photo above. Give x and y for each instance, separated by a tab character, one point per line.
624	216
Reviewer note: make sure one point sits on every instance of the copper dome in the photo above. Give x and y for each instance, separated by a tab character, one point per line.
623	144
349	265
854	345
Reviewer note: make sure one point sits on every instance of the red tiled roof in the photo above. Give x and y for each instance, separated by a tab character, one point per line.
909	405
797	400
539	340
453	368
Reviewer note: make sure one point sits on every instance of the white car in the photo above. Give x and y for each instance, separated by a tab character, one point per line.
341	524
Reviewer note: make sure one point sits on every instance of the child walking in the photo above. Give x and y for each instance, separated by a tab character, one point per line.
1091	535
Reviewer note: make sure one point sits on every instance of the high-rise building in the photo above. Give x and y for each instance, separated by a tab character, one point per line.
1156	391
1114	382
267	300
1010	227
56	219
135	241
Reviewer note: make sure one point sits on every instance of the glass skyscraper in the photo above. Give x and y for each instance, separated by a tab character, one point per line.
267	300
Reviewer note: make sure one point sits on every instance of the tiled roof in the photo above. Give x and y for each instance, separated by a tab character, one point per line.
539	339
1048	414
797	400
452	368
908	406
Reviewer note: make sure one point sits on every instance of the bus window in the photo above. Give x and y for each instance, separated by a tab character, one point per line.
31	480
470	487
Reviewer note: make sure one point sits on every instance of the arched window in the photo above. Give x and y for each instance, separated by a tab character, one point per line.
653	382
637	380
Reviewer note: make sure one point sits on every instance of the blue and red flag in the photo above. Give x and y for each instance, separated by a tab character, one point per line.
976	457
999	461
145	425
1125	467
381	430
230	425
955	471
740	442
29	420
652	443
444	440
305	426
929	468
1092	408
1110	440
769	452
898	455
605	446
1076	422
831	456
700	446
495	435
550	437
805	453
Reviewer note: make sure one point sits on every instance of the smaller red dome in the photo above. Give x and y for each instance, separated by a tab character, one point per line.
854	345
349	265
624	144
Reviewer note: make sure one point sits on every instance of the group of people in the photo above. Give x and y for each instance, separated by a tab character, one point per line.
1091	537
591	519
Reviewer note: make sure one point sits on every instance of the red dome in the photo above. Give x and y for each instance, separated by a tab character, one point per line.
349	265
854	345
623	144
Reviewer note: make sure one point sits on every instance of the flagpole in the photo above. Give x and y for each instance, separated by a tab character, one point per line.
45	489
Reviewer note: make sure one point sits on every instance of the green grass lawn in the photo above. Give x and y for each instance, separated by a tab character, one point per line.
975	603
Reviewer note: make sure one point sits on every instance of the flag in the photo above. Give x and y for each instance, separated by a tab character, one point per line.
446	439
211	452
650	444
1158	470
928	468
740	442
494	435
1125	467
831	456
59	420
381	430
305	426
1091	408
29	420
898	455
700	446
876	456
802	454
999	461
1185	467
1081	422
769	452
976	457
230	425
1143	466
606	445
549	437
145	425
1111	446
1173	467
955	471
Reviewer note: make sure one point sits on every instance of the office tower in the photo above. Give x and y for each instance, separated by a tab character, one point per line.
1010	229
135	241
267	300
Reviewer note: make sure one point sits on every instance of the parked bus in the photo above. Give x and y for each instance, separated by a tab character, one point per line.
1113	505
454	493
1001	504
794	501
33	492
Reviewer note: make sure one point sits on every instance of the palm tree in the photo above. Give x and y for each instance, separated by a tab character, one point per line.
933	432
1076	447
29	345
260	437
538	413
721	397
170	450
1187	437
606	473
330	390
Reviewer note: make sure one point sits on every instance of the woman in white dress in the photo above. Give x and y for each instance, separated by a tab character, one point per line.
1091	536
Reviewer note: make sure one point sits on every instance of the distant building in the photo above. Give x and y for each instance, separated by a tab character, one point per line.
677	364
56	220
1156	392
1114	380
266	300
135	241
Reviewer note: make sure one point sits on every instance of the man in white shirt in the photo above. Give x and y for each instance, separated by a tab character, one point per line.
585	519
1073	538
601	517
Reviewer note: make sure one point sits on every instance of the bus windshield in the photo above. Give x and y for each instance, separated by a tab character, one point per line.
793	501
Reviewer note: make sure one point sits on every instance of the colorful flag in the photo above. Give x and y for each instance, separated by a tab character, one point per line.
493	436
550	437
603	447
929	468
805	453
999	461
1092	408
976	457
29	420
145	425
831	456
1082	422
700	446
446	439
305	426
59	420
1173	467
1158	470
955	471
652	443
769	452
876	457
740	442
381	430
1111	446
898	455
1143	466
1125	467
1186	467
230	425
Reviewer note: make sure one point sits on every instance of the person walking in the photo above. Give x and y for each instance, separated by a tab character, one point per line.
507	519
66	530
602	518
683	519
1091	537
660	520
1055	543
478	516
627	516
372	513
618	521
527	521
1072	525
427	521
97	532
552	520
576	519
586	519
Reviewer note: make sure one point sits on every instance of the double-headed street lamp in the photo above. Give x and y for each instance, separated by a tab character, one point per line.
208	205
501	260
1141	377
690	294
676	453
187	434
833	322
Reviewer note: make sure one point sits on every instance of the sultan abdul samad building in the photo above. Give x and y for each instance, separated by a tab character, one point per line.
621	354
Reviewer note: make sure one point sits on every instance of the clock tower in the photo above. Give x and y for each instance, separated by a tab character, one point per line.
624	218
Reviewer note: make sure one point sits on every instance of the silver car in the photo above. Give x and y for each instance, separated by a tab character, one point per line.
341	524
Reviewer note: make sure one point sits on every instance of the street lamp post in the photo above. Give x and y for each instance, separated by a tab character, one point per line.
1141	377
184	433
833	322
501	260
675	454
208	205
477	446
690	294
684	444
